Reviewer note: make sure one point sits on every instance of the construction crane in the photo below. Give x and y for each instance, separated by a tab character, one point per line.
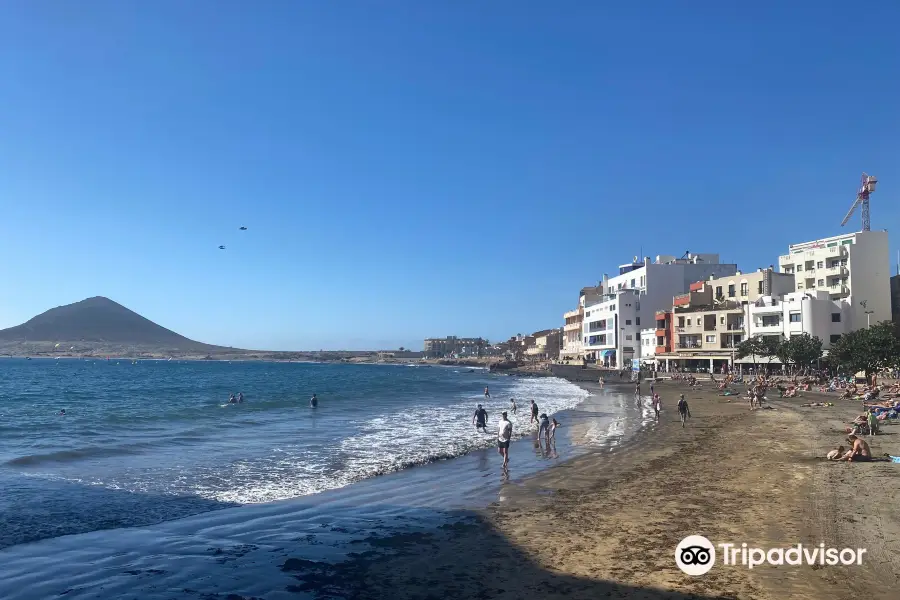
866	187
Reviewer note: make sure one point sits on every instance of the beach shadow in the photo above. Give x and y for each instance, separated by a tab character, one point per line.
466	557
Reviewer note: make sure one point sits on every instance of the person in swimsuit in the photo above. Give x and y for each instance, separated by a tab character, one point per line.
656	405
240	397
232	399
513	407
534	413
544	428
314	401
479	419
504	434
487	393
859	452
553	427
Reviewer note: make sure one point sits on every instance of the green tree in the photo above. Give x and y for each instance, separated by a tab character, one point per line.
765	347
868	350
801	350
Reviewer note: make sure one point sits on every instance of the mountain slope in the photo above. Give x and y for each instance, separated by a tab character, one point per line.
98	320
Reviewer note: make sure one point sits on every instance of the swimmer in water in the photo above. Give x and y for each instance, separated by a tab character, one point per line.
62	412
240	397
314	401
232	399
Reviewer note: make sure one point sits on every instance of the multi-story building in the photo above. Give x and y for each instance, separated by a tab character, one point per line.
545	345
812	312
707	323
452	345
613	322
853	269
572	346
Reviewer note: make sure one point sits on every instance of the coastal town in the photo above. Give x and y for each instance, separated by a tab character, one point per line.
693	312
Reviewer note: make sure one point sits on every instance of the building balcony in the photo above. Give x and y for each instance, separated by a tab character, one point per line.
573	313
661	333
663	349
572	327
775	307
838	271
689	346
841	290
682	300
760	328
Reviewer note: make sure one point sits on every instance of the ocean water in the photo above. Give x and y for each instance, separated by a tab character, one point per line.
154	441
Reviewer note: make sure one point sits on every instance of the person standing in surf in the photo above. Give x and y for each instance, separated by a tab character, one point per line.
513	407
487	393
479	419
504	434
314	401
534	413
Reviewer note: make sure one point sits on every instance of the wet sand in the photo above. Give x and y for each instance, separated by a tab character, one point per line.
601	525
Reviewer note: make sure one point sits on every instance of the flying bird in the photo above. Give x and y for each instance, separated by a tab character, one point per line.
243	229
221	247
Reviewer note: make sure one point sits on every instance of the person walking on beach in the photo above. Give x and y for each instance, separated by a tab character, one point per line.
504	434
534	413
601	382
656	405
512	405
651	390
487	393
479	419
683	410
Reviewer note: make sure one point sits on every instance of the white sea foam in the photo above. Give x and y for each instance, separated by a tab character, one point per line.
389	443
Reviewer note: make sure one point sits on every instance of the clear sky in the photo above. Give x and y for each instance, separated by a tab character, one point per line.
412	169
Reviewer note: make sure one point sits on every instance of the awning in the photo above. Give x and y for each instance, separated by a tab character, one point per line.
607	352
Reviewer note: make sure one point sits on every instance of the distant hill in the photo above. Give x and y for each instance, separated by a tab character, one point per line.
99	320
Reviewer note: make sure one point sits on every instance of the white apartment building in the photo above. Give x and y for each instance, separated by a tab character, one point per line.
572	346
613	323
813	312
648	345
854	269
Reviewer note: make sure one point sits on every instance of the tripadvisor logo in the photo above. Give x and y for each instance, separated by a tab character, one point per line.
696	555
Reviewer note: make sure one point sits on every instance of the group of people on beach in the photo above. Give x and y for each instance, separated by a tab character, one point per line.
546	426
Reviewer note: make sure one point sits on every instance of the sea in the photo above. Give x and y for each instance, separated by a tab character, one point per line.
153	450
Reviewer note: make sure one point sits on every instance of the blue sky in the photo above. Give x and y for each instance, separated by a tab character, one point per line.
412	169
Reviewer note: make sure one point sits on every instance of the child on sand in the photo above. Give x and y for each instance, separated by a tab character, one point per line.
835	454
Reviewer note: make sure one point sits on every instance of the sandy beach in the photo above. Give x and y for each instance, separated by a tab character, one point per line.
603	524
607	524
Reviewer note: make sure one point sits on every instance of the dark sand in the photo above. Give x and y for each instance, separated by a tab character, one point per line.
605	525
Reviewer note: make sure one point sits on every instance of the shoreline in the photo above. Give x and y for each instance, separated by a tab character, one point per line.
601	524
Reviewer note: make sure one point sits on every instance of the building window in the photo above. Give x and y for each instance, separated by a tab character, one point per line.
843	262
689	322
799	267
835	338
771	321
710	338
721	319
632	283
820	264
821	282
795	317
718	291
759	288
846	242
628	337
642	281
731	290
637	306
745	289
832	244
628	321
681	321
637	321
835	317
